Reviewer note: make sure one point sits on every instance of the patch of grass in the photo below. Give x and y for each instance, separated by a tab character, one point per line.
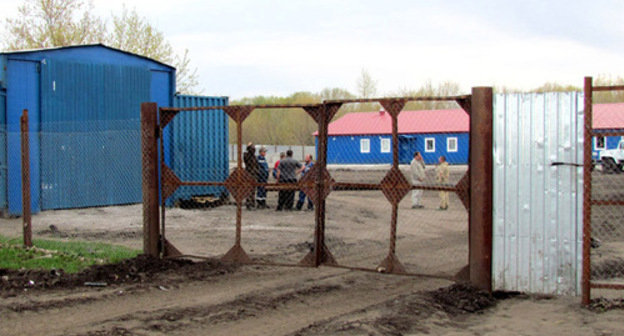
72	257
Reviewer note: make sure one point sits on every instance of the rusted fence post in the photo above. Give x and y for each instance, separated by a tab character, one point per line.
149	150
587	189
26	211
480	227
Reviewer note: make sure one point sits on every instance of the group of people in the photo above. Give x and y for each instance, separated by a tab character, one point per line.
285	171
417	170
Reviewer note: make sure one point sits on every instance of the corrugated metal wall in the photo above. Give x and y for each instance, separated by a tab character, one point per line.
90	139
538	206
3	153
23	87
197	146
345	149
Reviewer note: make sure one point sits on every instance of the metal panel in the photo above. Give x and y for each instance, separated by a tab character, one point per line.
345	149
198	145
22	93
537	210
90	154
3	148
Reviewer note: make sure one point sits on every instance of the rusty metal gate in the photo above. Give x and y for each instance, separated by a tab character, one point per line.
474	188
603	204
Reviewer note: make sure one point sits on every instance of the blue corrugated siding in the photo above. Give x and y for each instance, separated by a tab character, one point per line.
198	145
346	149
3	157
95	76
22	93
90	154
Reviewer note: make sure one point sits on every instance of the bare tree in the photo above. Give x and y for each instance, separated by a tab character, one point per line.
53	23
367	86
57	23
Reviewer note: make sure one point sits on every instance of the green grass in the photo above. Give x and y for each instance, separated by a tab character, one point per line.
70	256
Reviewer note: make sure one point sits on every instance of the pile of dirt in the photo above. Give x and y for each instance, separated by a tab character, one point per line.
602	304
142	269
461	298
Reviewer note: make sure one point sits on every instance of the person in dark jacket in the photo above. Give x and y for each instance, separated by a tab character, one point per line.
251	166
287	173
263	177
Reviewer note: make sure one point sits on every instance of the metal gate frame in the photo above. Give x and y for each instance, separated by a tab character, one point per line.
586	283
474	189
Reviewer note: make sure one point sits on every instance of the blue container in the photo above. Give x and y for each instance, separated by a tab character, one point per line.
84	111
3	139
196	146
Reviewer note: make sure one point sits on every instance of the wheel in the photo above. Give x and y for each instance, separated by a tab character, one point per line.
608	165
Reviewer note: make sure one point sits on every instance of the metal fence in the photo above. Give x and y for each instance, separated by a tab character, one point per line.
377	218
603	209
74	165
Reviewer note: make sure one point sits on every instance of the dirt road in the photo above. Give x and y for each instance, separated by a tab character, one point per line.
267	300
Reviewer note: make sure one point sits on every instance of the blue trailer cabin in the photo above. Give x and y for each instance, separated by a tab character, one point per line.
607	118
366	137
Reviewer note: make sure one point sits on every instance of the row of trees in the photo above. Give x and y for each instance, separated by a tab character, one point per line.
295	127
58	23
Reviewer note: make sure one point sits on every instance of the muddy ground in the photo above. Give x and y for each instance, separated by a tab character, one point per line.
144	296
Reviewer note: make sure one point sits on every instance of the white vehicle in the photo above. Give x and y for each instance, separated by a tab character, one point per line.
612	160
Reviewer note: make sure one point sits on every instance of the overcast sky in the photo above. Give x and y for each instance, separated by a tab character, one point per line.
248	48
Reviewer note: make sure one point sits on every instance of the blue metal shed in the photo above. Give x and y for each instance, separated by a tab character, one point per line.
196	146
84	104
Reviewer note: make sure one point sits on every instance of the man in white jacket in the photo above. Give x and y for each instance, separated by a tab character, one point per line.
417	169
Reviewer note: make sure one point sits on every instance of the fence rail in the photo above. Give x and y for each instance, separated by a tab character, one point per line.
376	195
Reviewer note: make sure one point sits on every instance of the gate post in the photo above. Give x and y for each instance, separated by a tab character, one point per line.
26	210
587	190
481	186
149	150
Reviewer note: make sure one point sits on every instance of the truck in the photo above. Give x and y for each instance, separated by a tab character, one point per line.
612	160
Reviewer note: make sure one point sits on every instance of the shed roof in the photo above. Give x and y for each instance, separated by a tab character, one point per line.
95	45
425	121
608	116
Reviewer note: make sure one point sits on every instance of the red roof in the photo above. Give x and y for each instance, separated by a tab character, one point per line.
427	121
608	116
605	116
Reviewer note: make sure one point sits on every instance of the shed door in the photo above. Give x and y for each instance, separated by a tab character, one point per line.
90	139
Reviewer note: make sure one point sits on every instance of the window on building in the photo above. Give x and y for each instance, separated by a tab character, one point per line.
385	145
364	146
429	145
451	145
600	143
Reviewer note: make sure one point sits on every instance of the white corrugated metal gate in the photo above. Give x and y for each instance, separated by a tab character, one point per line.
537	229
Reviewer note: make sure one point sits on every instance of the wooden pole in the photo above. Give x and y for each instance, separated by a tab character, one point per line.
26	199
149	148
481	186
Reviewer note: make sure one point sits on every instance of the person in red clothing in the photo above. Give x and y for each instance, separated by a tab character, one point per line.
275	168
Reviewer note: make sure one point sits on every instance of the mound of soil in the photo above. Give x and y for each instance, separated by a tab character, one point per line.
141	269
461	298
602	304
